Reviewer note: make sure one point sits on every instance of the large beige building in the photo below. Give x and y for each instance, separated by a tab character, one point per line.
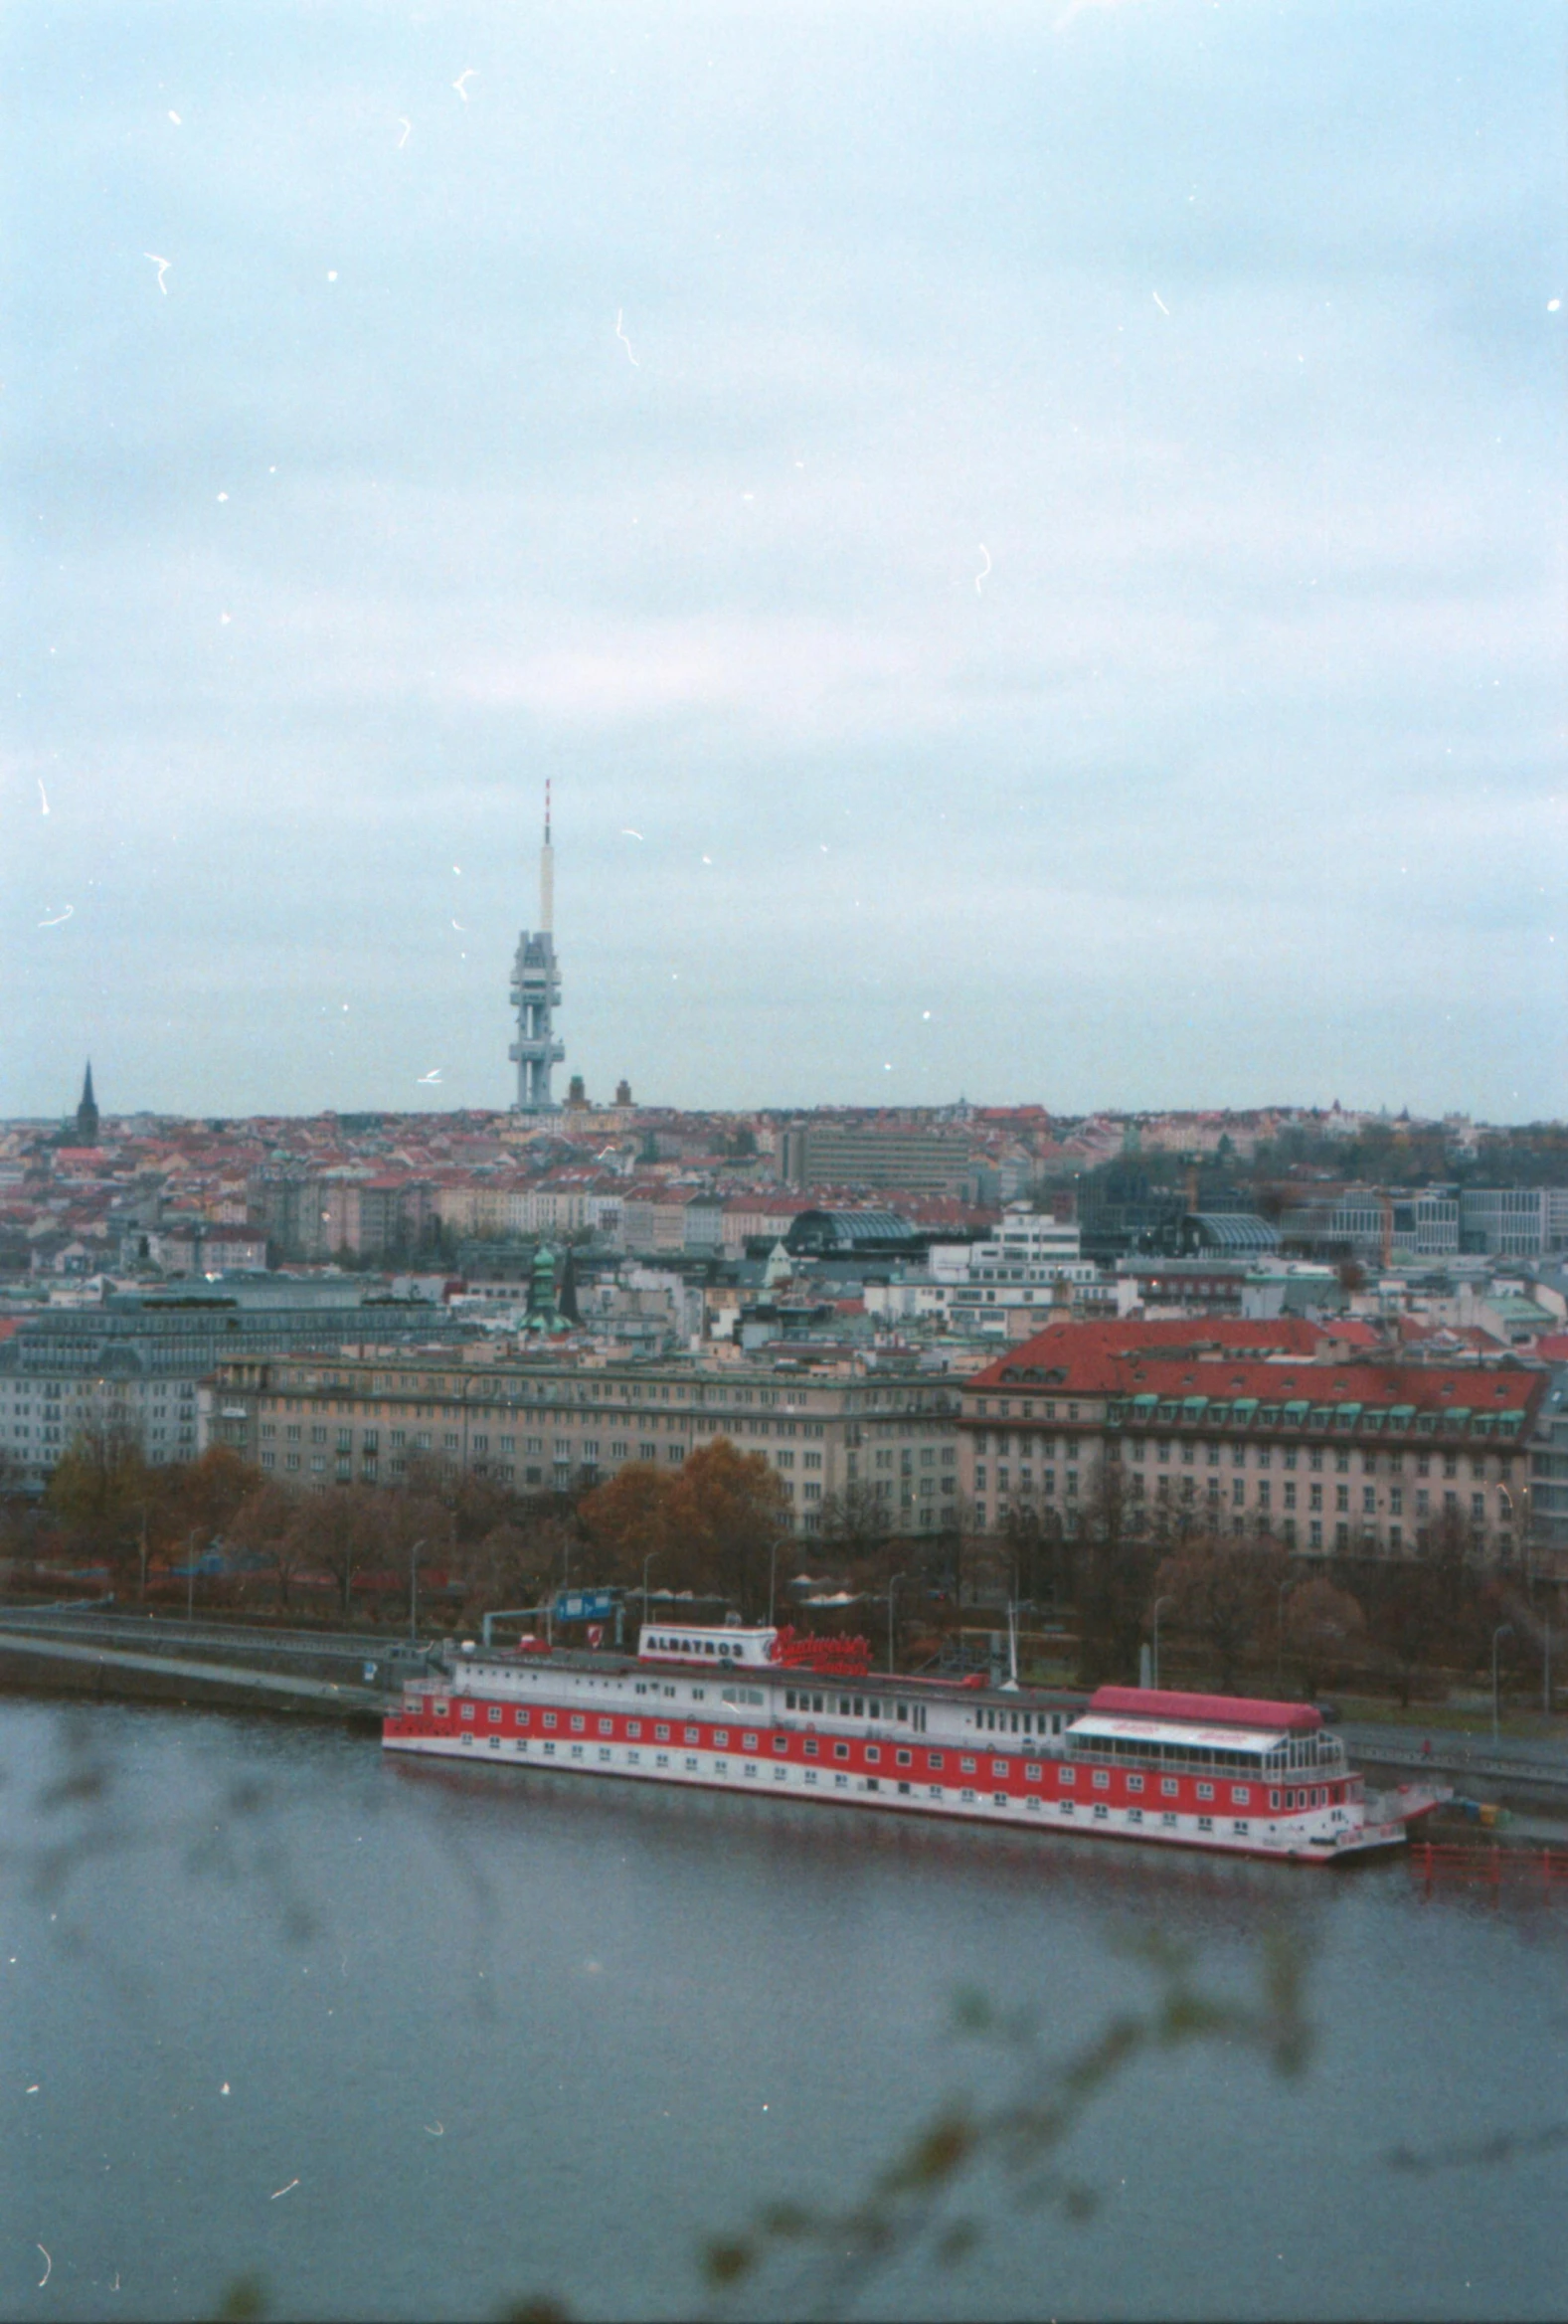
1216	1426
547	1423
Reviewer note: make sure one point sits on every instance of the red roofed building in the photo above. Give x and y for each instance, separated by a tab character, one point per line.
1222	1427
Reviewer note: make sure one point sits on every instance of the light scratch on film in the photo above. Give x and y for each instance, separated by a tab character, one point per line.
985	569
621	336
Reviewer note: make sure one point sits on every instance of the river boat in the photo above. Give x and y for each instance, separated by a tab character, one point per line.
761	1710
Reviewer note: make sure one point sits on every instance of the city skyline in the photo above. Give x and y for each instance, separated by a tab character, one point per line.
1031	555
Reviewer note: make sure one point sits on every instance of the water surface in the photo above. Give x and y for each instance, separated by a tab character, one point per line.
508	2032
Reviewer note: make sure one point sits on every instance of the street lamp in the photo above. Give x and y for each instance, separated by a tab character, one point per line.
1279	1630
892	1593
190	1574
646	1562
414	1590
773	1578
1503	1630
1158	1602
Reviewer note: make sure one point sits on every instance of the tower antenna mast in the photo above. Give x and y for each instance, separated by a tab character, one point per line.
536	995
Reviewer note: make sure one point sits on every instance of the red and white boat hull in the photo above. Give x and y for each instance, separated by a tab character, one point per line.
902	1750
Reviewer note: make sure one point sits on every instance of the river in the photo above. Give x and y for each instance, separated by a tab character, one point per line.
407	2042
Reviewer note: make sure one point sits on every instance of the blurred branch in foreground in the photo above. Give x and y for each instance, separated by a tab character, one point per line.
927	2201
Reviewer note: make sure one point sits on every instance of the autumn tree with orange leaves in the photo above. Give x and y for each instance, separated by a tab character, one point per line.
713	1525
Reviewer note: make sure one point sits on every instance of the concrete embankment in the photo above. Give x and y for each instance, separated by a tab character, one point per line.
1529	1778
118	1657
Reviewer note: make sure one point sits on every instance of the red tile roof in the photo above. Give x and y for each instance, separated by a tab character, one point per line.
1225	1360
1080	1343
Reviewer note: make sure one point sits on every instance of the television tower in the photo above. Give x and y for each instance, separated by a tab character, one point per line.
536	991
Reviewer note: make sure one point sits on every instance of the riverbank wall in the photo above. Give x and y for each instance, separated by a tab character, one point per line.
122	1658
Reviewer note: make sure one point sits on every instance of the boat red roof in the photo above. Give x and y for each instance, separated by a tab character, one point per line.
1209	1710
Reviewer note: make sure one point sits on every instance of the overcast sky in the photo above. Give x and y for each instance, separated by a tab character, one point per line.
1029	541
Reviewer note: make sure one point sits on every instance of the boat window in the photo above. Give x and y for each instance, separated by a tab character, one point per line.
840	1750
781	1744
634	1728
934	1761
1069	1774
873	1755
1102	1778
968	1766
860	1707
1032	1773
660	1734
1241	1796
811	1751
903	1711
550	1719
1135	1784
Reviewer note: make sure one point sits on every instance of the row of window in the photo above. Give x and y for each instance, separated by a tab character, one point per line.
935	1762
1291	1457
1262	1496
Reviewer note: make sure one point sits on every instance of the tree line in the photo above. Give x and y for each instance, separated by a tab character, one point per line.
718	1527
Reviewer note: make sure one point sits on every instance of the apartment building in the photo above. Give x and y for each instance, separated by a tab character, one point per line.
824	1152
548	1424
129	1367
1247	1429
1513	1222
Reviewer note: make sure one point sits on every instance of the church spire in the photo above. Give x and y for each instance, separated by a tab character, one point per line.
87	1111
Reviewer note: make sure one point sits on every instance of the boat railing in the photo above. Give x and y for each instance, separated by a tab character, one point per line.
1333	1767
